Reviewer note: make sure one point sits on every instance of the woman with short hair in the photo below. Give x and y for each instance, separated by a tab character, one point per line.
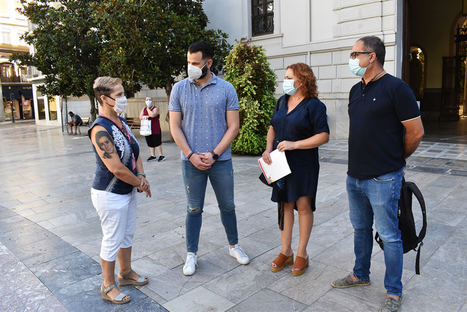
119	174
298	126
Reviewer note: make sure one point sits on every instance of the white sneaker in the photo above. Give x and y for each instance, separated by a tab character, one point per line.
190	264
238	253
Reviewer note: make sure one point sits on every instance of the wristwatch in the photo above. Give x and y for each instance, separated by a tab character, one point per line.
214	156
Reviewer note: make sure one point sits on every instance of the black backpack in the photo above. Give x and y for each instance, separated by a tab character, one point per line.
410	239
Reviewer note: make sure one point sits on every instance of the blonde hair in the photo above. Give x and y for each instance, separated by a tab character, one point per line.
104	86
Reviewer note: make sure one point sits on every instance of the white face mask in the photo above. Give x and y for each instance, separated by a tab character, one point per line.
120	104
288	86
148	103
195	72
355	68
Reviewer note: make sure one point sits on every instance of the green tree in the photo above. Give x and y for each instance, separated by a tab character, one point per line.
248	70
140	41
66	47
147	41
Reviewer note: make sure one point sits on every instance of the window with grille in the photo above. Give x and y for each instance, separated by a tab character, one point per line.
262	17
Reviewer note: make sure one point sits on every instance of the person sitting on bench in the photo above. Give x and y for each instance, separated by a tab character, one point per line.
75	121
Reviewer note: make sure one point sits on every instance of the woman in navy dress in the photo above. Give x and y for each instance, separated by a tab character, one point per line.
298	126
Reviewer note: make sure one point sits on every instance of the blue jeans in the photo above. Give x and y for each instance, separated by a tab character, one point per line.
221	177
377	197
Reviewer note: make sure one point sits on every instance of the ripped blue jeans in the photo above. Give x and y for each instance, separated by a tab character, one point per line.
221	177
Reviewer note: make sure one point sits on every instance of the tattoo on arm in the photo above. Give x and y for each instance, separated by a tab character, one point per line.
105	143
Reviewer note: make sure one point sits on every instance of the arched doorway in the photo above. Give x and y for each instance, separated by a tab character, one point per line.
434	47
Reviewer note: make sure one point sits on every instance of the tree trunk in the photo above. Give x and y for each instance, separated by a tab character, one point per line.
94	109
168	90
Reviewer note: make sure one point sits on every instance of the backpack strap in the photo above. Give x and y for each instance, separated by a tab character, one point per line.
417	259
379	241
416	191
421	235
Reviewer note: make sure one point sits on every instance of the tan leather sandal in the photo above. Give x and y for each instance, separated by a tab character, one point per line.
281	262
126	280
121	298
300	265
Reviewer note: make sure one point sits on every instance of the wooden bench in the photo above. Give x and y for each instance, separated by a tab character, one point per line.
133	122
85	121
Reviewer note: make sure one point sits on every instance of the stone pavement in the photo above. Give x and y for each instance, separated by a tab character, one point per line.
50	235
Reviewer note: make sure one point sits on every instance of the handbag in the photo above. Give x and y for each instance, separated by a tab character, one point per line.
145	128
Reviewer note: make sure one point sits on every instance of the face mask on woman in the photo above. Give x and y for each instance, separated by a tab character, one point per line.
194	72
120	104
148	103
355	68
288	86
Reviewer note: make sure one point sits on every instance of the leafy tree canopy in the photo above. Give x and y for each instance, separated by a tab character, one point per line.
147	40
140	41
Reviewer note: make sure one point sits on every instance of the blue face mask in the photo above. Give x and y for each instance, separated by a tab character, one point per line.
288	86
355	68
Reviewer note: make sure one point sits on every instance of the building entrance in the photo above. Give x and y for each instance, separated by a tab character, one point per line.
434	63
17	101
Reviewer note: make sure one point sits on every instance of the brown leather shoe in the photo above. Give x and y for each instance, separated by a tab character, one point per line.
281	262
300	265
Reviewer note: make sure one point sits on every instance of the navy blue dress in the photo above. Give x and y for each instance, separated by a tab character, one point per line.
305	120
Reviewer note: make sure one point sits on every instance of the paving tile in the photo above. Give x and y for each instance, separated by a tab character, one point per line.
173	283
340	301
148	267
85	296
170	257
198	300
266	301
66	270
43	251
240	283
24	292
310	286
429	293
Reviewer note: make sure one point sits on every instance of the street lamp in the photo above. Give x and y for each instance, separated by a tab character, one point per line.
12	98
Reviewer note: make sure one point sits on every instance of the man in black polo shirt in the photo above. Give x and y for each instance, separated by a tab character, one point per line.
385	129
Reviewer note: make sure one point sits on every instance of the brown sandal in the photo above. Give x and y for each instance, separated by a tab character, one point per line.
125	280
300	265
281	262
121	298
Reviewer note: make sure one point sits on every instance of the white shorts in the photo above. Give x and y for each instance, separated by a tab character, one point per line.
117	213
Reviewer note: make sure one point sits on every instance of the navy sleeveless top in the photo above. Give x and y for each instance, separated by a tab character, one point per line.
128	150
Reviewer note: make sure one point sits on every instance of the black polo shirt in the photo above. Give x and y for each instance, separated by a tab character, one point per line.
376	135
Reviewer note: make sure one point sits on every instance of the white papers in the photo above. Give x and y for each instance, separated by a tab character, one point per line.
278	168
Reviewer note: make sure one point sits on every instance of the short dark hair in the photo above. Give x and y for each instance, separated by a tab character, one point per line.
375	44
203	47
70	113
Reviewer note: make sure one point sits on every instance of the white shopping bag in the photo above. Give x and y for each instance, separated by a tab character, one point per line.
145	128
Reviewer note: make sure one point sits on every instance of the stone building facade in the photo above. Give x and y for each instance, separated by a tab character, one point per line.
320	34
430	33
15	90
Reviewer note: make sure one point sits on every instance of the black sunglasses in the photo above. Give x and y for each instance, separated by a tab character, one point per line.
353	55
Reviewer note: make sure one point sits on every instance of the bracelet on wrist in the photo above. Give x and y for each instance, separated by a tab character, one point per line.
189	155
141	174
